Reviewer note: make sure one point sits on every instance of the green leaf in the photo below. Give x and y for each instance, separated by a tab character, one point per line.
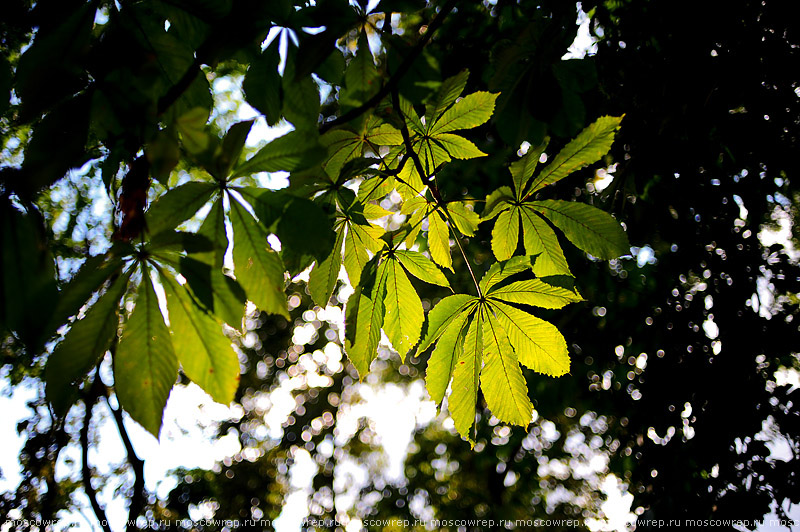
523	169
213	228
300	97
383	135
257	267
439	241
163	154
594	231
457	146
343	146
297	150
404	315
262	84
471	111
365	314
540	240
466	379
449	90
192	126
501	378
232	146
421	267
536	293
466	220
497	201
361	236
538	344
445	356
90	278
443	314
322	279
145	365
219	294
303	228
177	206
361	77
503	270
83	346
587	148
205	353
505	235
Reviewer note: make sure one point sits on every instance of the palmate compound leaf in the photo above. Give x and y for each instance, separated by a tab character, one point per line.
205	353
257	267
83	346
488	338
588	228
145	365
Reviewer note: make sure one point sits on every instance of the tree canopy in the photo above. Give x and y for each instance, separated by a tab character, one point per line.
460	204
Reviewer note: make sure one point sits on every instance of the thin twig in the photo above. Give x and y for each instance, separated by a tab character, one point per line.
402	70
139	497
91	398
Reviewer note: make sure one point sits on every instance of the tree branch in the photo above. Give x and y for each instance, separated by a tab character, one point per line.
139	497
402	70
89	401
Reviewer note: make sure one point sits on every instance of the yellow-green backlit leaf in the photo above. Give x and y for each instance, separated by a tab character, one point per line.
458	147
496	202
505	234
322	279
594	231
177	206
205	353
536	293
421	267
540	240
439	241
538	344
257	267
587	148
365	313
501	378
466	220
145	365
445	356
449	90
471	111
404	315
466	379
443	314
523	169
503	270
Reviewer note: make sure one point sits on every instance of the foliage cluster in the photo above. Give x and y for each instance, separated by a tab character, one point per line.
114	100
